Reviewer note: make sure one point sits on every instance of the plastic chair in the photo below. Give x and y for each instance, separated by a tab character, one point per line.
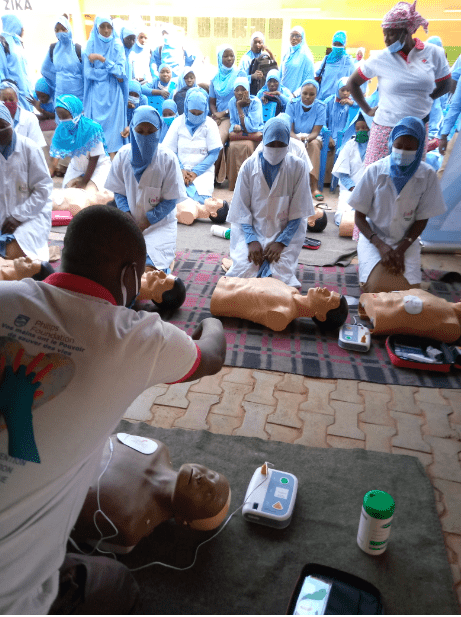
326	134
156	102
269	110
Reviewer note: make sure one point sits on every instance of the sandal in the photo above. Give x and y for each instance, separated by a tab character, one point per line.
318	196
311	243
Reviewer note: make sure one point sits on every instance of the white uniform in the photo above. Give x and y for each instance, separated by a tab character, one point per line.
28	126
84	396
161	180
348	162
269	211
79	164
193	149
25	190
390	215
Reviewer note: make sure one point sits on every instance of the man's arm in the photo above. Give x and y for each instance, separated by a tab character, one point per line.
209	338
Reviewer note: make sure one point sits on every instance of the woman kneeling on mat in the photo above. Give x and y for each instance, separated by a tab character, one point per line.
393	202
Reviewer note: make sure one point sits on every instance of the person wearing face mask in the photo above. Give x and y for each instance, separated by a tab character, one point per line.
269	210
337	64
194	138
103	261
141	56
172	53
393	201
104	73
274	92
83	140
25	189
25	122
147	181
411	75
62	67
307	117
298	63
169	113
135	99
15	60
186	81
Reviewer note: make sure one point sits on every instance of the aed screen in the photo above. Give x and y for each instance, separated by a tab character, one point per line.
313	597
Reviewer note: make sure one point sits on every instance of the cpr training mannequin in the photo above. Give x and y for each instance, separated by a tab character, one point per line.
412	311
73	200
272	303
214	209
140	491
24	267
165	290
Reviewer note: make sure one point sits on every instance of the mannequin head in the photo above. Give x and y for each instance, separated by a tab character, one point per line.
217	209
201	497
165	290
330	308
318	221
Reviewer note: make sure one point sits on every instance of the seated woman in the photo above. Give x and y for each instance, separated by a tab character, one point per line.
340	110
194	138
135	99
25	189
246	125
393	202
269	210
161	85
43	102
186	80
274	92
25	122
83	140
147	181
221	92
307	117
169	113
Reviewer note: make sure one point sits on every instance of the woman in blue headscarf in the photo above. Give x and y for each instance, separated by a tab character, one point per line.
135	99
16	62
161	87
257	47
246	125
43	101
83	140
393	202
62	67
194	137
104	73
307	116
186	80
337	64
298	63
169	113
147	182
25	121
273	91
269	210
128	38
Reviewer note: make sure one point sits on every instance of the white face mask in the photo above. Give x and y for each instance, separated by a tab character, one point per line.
274	156
403	157
123	288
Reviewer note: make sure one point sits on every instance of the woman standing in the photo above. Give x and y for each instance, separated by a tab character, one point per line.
298	62
221	92
104	73
257	47
62	67
246	122
16	63
337	64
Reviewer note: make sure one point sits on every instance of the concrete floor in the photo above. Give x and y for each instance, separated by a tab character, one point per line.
421	422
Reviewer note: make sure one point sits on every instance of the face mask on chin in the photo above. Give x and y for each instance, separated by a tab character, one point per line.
123	288
403	158
274	156
396	46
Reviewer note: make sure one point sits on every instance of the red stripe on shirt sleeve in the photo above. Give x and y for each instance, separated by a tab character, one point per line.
360	72
443	78
193	369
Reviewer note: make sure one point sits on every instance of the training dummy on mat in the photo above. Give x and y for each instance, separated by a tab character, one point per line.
269	210
194	496
274	304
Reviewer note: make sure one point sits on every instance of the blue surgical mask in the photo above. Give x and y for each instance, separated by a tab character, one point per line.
134	100
403	157
194	119
295	47
63	36
124	293
104	39
396	46
168	120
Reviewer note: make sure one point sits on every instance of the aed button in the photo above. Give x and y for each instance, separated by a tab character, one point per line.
284	480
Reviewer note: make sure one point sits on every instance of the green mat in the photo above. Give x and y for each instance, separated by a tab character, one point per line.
251	569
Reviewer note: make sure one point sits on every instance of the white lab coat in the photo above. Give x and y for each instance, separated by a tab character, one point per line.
79	164
28	126
390	215
269	211
348	162
193	149
161	180
25	194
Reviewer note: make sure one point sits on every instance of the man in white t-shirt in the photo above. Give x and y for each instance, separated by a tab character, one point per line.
81	356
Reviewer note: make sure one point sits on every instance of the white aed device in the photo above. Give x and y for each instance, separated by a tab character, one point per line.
270	497
354	336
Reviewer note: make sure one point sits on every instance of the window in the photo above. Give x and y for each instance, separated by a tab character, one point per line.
257	25
239	29
221	27
181	22
162	18
275	28
204	27
145	18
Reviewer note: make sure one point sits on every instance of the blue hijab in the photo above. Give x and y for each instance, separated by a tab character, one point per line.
298	63
105	46
168	104
181	84
435	40
12	25
277	129
8	148
144	147
337	52
77	136
223	81
43	86
350	129
408	126
196	98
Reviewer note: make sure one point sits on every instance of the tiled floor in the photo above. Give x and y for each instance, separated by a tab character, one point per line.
421	422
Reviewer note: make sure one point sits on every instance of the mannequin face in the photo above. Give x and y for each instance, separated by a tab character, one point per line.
322	300
228	58
105	29
189	79
156	283
199	492
257	45
165	75
145	128
308	94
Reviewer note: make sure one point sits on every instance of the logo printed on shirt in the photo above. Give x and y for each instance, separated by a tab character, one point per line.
407	215
21	321
424	60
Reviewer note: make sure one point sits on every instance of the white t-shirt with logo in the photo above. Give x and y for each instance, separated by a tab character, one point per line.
405	85
103	357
